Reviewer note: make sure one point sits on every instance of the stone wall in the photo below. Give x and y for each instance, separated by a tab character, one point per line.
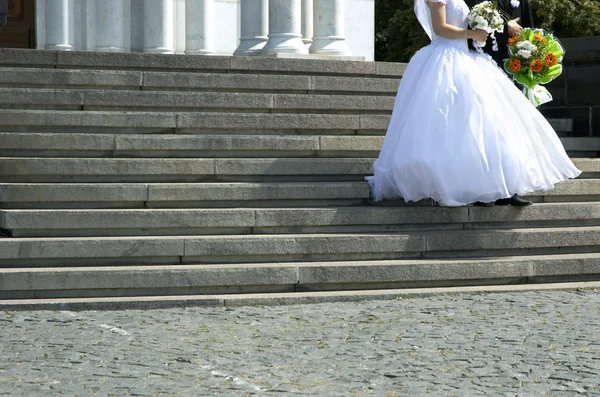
577	92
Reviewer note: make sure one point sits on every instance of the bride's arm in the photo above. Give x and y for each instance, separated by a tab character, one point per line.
443	29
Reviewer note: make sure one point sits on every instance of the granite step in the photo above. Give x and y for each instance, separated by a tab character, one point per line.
22	58
173	250
35	144
168	282
232	195
200	122
193	81
168	101
28	169
169	222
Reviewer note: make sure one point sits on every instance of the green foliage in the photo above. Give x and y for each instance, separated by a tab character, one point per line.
567	18
399	35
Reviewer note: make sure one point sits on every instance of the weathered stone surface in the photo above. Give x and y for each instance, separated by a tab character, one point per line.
333	102
514	239
390	68
127	219
96	247
587	165
355	84
567	265
48	141
374	122
225	81
56	118
415	271
216	143
351	143
105	79
301	66
302	244
65	192
359	216
138	61
293	166
101	166
24	58
267	121
538	212
258	191
179	101
184	276
36	96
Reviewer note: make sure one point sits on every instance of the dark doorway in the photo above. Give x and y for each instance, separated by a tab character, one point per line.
19	31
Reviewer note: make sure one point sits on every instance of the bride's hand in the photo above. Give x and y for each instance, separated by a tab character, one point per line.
478	35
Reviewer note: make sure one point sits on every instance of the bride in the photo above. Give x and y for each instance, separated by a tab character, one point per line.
461	132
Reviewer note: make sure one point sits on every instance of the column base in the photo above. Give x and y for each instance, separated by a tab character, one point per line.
60	47
250	47
199	52
110	49
330	46
324	57
159	50
284	44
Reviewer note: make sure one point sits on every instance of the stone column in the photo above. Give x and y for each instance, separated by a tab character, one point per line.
328	27
158	27
285	28
60	24
199	27
307	22
109	26
255	27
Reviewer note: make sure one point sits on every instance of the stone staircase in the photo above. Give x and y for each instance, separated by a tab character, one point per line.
130	175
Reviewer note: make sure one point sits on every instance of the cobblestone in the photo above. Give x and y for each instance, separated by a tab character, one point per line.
512	344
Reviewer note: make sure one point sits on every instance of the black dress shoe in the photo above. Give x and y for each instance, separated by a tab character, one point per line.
515	201
482	204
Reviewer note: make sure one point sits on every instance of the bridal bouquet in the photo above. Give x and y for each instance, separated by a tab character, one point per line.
535	59
486	16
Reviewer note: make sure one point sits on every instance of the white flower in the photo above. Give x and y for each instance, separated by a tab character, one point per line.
515	3
524	54
526	45
480	22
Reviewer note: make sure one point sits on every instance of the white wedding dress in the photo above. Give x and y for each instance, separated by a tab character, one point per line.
461	131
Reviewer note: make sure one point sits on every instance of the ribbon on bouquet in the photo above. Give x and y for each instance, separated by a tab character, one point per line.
537	95
480	44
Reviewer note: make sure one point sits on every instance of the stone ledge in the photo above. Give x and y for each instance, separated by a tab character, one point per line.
170	145
107	222
206	249
316	276
138	61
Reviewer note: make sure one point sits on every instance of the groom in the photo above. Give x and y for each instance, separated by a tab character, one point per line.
521	16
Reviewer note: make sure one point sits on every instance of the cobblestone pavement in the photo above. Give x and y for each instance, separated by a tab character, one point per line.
515	344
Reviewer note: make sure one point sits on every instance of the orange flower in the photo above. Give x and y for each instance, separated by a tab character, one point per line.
536	65
515	65
539	37
513	40
550	59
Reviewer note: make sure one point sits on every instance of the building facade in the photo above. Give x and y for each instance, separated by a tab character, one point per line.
223	27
